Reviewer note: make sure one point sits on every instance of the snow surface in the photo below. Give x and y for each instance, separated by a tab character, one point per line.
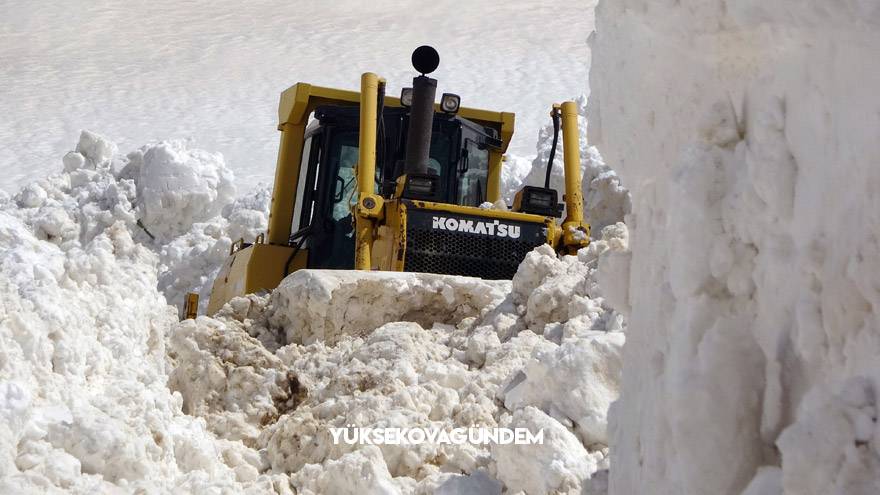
747	133
102	389
212	71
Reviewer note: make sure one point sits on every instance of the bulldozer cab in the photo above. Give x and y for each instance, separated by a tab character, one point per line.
459	156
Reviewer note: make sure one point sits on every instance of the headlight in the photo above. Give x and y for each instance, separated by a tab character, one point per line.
406	97
450	103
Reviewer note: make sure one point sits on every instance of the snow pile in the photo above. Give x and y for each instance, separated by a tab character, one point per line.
606	201
103	390
83	366
747	132
468	352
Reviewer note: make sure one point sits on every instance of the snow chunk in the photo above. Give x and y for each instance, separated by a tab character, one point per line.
178	186
563	290
31	196
73	161
559	465
359	473
97	149
574	383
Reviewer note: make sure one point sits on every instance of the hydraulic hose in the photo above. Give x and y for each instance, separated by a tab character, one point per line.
555	116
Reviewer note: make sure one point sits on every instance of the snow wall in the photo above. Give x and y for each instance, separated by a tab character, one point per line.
748	135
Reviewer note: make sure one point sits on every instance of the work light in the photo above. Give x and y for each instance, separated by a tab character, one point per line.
422	186
449	102
537	201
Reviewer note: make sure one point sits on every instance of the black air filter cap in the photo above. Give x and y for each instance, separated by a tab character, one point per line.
425	59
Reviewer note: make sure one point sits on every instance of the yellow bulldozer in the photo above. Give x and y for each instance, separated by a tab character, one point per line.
367	181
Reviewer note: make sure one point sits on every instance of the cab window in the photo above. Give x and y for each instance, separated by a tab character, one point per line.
332	245
298	222
438	156
344	157
473	174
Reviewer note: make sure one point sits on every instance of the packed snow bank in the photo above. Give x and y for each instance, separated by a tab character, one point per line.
103	390
322	305
747	132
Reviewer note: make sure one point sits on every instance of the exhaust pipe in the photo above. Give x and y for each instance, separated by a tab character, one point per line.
425	59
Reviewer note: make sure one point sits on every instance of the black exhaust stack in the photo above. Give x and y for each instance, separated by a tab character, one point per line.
425	59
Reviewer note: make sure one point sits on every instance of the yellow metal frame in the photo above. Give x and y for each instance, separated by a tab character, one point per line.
575	232
366	170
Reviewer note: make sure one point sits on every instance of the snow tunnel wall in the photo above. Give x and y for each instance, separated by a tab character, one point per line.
748	135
